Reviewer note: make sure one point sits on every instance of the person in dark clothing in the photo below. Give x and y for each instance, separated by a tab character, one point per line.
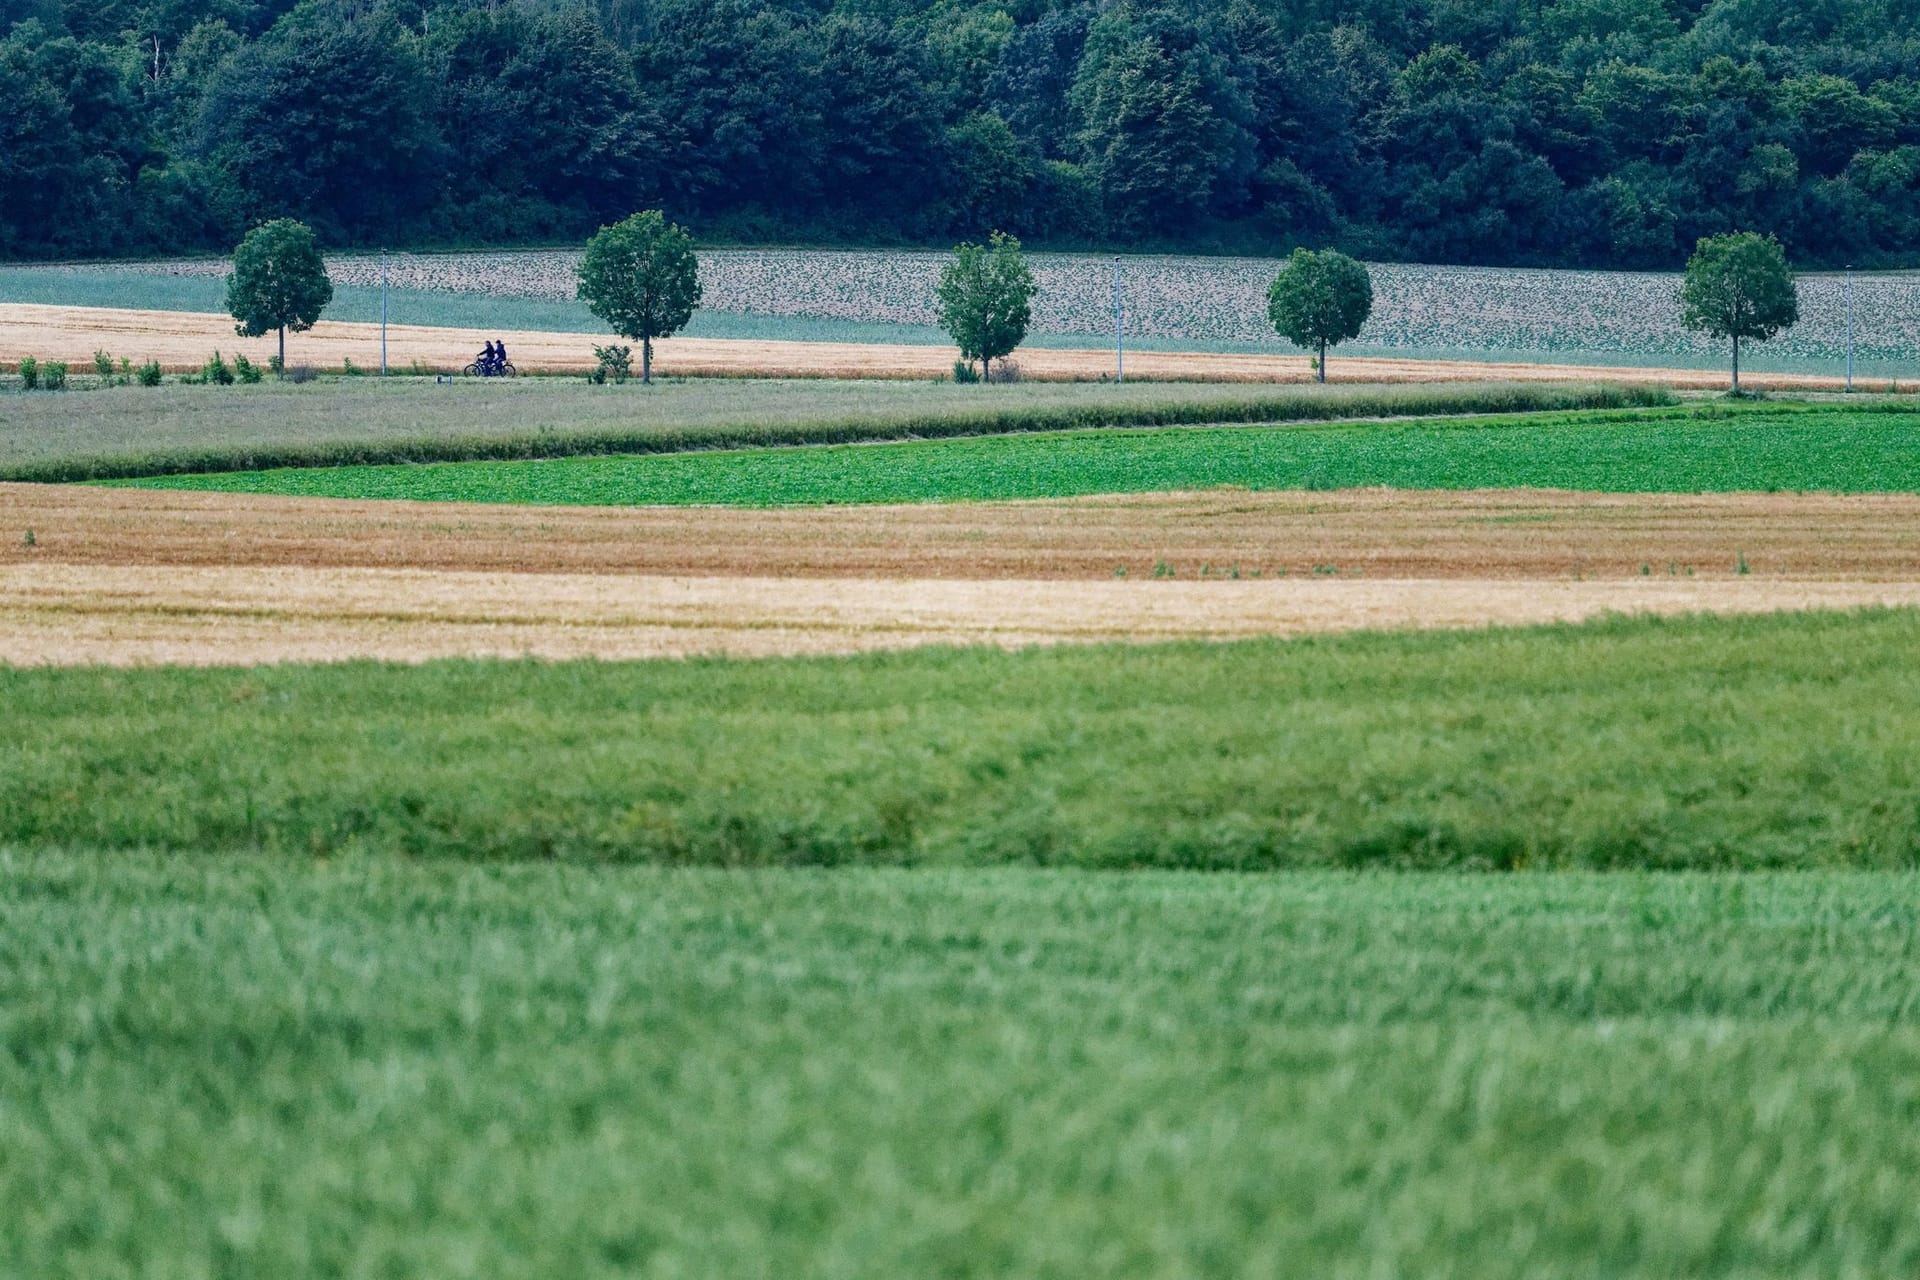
499	353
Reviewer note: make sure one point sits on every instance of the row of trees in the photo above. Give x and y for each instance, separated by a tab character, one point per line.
642	277
1593	132
1738	287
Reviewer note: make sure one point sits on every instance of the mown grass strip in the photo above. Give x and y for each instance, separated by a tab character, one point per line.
1701	448
1784	741
240	452
598	1072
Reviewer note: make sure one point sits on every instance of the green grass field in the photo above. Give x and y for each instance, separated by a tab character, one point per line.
1783	741
137	431
220	1066
1702	447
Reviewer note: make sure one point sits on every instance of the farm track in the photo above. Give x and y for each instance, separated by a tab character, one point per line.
181	341
151	577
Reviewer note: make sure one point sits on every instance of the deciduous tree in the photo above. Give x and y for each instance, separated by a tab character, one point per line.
985	299
279	281
1739	286
1320	300
641	277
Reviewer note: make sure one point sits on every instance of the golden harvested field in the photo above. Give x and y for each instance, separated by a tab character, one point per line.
130	576
181	341
1375	533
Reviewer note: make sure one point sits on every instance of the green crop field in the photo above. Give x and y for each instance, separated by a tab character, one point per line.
248	1066
1708	743
141	431
1683	449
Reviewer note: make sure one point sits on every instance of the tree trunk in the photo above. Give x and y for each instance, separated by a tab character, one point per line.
1736	364
283	351
1323	360
986	370
646	362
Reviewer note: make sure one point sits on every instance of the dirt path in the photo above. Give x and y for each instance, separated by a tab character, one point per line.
181	341
87	614
1372	533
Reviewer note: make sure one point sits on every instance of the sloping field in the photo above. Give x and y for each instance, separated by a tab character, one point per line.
182	341
176	429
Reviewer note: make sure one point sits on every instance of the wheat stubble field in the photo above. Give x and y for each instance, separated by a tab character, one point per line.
131	576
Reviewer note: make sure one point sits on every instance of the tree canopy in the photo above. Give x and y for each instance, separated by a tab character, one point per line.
1320	300
1580	132
985	300
641	277
1739	286
279	282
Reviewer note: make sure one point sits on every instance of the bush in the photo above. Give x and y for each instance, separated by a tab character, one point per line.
103	365
217	371
299	373
53	375
1006	372
148	374
29	373
247	370
349	369
616	362
964	372
125	375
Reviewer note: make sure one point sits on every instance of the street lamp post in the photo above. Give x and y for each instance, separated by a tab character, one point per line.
1849	327
383	313
1119	331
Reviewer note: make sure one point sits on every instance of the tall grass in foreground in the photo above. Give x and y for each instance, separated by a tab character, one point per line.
653	428
247	1067
1785	741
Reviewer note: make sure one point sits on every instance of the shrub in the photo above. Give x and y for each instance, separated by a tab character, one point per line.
1006	372
300	373
217	371
53	375
103	365
125	377
29	373
616	362
965	373
349	369
148	374
247	371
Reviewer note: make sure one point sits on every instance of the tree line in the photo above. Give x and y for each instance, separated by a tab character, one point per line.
642	277
1571	132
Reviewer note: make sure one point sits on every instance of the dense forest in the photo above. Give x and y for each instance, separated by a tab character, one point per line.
1579	132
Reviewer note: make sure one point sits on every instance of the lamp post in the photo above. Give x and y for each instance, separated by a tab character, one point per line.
1849	327
1119	332
383	313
